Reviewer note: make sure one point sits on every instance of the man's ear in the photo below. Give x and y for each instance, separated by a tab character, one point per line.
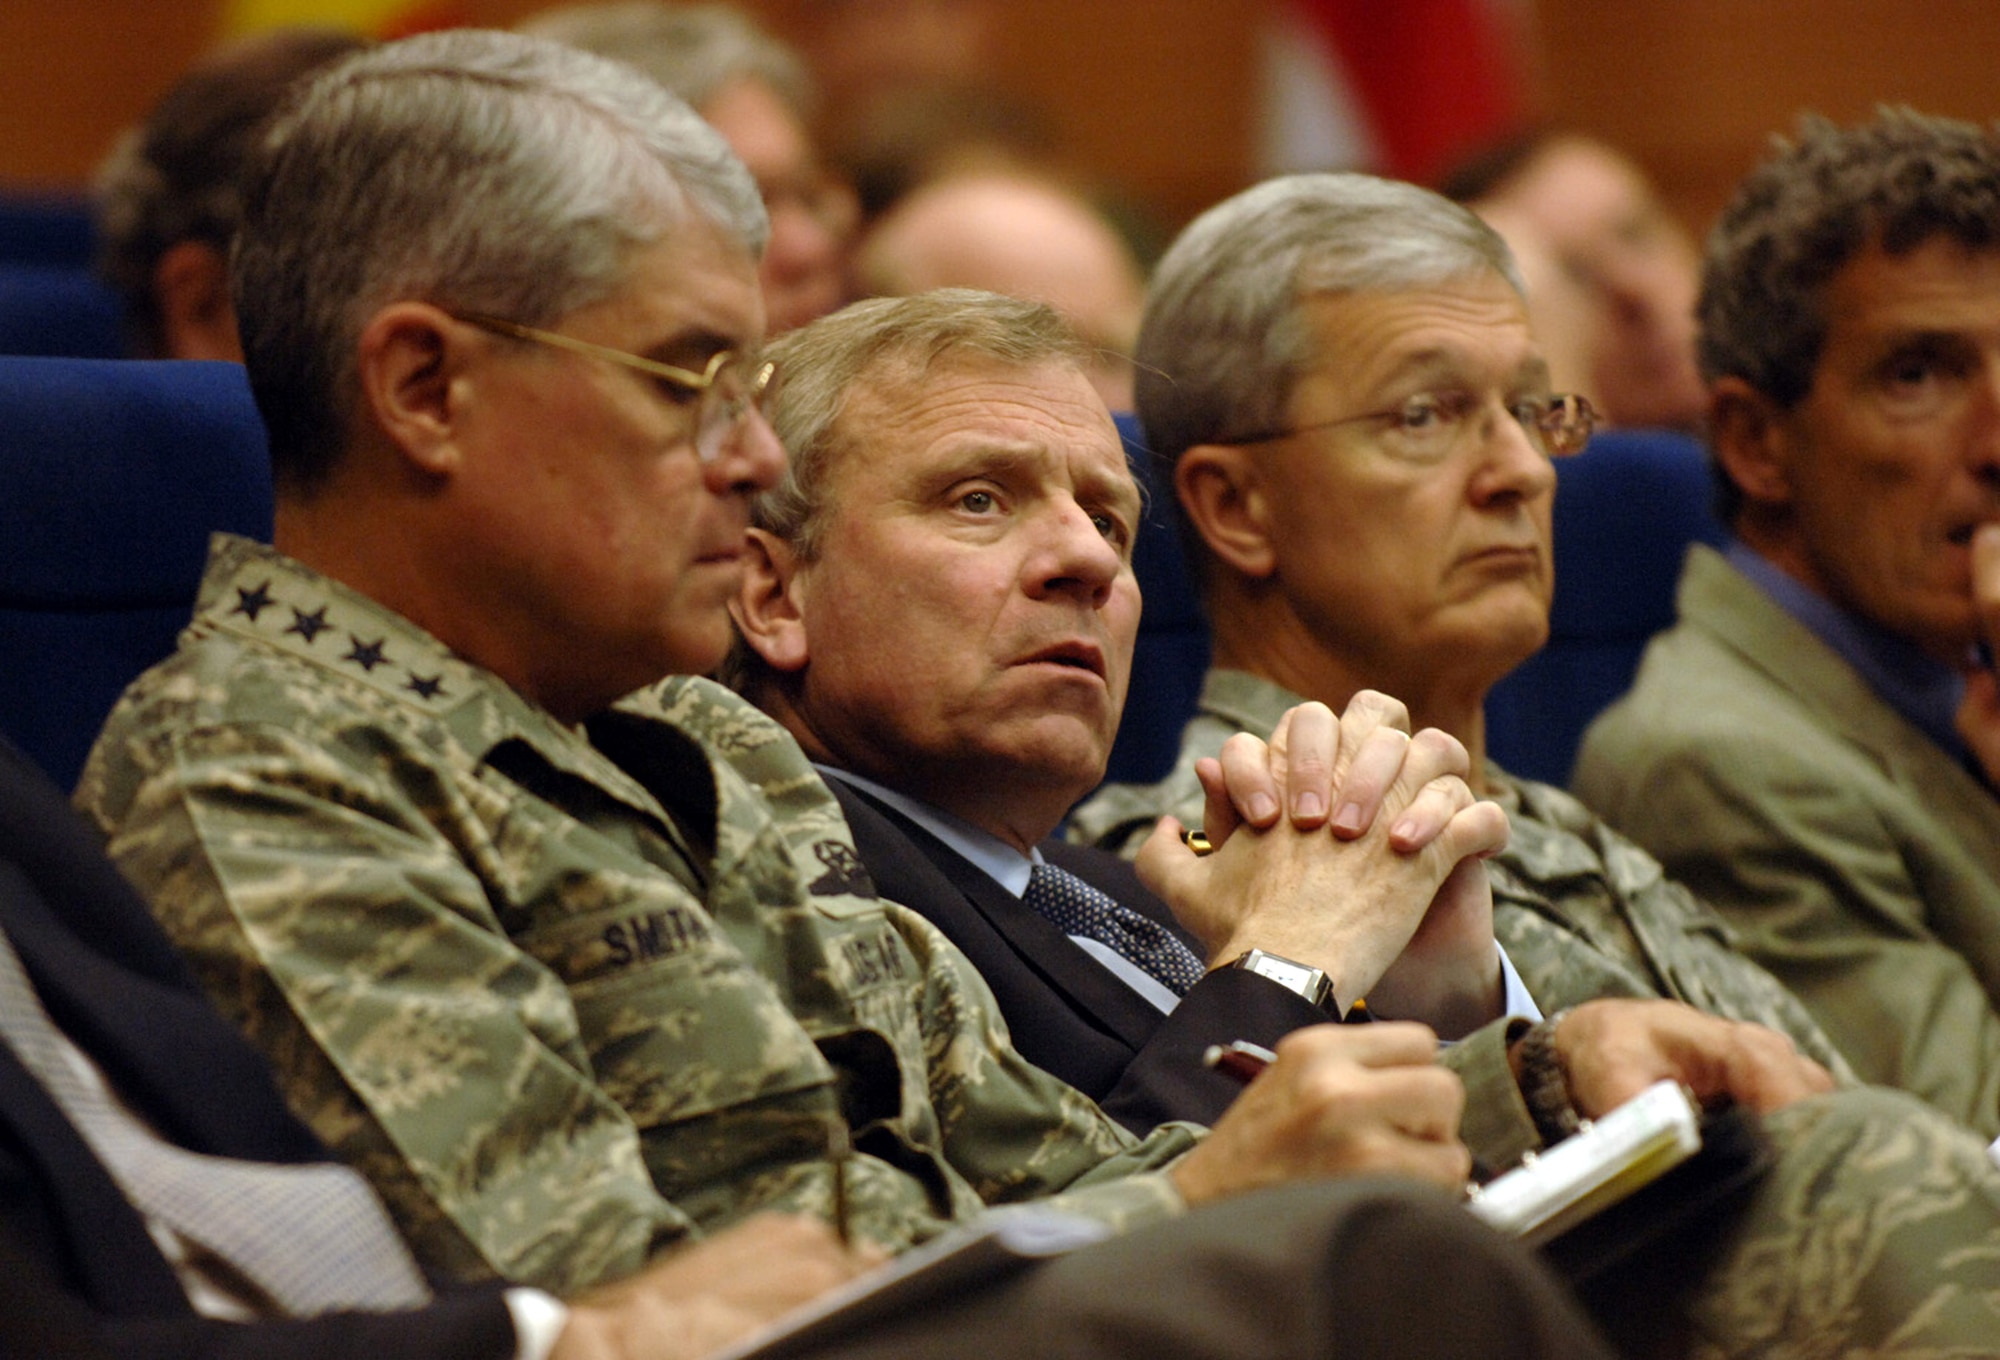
409	356
191	286
1222	494
767	607
1752	439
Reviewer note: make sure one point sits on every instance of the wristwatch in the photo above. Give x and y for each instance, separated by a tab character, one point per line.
1544	1079
1309	982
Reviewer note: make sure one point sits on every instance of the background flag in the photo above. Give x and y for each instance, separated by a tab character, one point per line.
1398	87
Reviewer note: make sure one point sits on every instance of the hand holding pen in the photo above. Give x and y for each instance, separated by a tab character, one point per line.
1332	1100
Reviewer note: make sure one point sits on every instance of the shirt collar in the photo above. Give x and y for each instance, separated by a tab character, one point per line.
994	857
1248	702
1924	690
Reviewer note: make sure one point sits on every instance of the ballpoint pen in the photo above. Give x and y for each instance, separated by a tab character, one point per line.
1242	1059
840	1151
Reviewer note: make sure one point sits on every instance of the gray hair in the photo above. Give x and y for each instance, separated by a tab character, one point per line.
476	170
1224	340
868	346
1796	221
693	50
875	344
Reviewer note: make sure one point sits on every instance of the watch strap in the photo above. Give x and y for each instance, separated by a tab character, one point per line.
1544	1080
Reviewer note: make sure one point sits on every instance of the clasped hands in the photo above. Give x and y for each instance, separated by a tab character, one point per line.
1362	858
1388	819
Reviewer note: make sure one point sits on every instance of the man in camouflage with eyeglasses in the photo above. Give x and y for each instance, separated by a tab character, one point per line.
1338	376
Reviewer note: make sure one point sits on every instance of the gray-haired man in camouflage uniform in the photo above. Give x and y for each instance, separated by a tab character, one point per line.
575	976
1339	372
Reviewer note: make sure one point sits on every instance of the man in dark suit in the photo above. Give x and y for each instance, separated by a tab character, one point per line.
947	626
82	1272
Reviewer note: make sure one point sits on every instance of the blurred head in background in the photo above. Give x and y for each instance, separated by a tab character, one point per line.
754	91
1025	236
168	196
1625	271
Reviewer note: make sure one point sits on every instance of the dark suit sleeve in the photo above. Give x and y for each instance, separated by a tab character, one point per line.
39	1317
1167	1080
79	1273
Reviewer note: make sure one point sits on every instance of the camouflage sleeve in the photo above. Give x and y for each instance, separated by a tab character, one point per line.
1496	1127
1874	1232
330	916
1710	973
1015	1132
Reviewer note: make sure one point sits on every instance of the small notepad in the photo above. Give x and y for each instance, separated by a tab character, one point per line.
1594	1168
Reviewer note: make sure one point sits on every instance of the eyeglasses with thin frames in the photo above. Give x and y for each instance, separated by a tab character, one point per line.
726	391
1430	427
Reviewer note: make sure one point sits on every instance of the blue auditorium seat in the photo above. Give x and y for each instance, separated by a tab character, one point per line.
58	311
115	473
1172	653
47	227
1626	510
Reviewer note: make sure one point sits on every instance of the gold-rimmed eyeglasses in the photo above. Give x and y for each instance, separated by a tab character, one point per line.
1430	427
726	391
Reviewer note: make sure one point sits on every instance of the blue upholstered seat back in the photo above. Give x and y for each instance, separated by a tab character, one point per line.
1172	651
55	228
1626	510
113	473
58	310
50	301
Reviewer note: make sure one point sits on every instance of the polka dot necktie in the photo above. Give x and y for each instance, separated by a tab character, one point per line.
1079	909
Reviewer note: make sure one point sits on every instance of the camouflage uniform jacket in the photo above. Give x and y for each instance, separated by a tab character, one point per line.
1877	1227
566	995
1582	911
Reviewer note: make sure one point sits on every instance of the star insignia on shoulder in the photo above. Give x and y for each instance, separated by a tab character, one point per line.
308	626
427	686
367	655
250	603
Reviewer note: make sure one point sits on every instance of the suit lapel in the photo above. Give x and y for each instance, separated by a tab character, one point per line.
1753	626
44	1162
917	869
112	982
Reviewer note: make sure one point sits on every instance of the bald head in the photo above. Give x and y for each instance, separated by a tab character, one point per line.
1024	237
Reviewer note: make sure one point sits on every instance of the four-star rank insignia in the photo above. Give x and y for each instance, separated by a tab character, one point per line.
367	655
252	602
308	626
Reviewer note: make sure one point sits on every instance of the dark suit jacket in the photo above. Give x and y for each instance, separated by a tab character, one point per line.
79	1274
1069	1014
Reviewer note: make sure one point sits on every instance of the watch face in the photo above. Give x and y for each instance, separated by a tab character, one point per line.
1293	975
1307	981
